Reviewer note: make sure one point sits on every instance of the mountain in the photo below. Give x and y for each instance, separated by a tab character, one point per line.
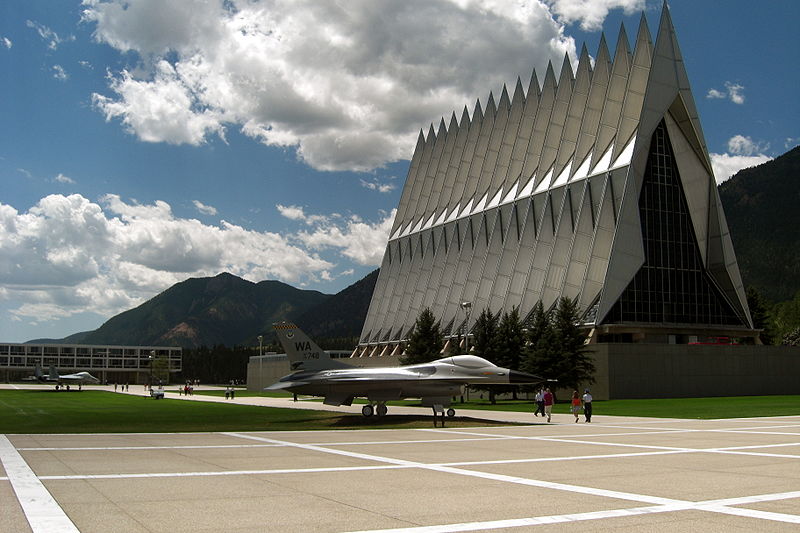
343	314
224	309
761	205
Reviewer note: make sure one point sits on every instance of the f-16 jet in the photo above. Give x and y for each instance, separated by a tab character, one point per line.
78	378
315	373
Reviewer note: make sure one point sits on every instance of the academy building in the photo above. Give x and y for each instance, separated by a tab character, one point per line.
595	185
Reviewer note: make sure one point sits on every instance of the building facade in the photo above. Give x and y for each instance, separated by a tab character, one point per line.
120	364
595	185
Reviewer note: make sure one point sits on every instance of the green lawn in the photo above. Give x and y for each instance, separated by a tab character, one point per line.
48	411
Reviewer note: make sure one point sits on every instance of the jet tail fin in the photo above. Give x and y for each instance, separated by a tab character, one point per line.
303	353
53	373
37	372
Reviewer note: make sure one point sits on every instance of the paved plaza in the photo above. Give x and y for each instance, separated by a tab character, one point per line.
620	474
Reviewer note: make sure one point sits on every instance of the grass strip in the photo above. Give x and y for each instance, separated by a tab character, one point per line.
48	411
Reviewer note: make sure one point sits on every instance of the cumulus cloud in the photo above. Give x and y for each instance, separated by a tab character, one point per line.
733	91
362	242
743	152
591	13
741	145
7	42
203	208
348	86
67	254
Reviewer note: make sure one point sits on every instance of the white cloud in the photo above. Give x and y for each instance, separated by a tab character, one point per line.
726	165
59	73
741	145
294	212
791	142
733	91
68	255
360	241
163	109
348	86
591	13
743	152
61	178
377	186
7	42
203	208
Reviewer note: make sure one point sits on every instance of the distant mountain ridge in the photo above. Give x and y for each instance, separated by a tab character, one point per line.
229	310
224	309
762	206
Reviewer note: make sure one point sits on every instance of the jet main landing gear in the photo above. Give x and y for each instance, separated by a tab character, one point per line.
380	409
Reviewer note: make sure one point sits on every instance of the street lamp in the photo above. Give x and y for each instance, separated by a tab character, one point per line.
467	307
151	358
260	341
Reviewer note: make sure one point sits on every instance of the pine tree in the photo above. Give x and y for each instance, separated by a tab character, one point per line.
575	366
540	356
484	343
510	340
425	341
510	343
484	335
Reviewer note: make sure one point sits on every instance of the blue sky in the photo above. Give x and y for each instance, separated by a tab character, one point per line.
144	142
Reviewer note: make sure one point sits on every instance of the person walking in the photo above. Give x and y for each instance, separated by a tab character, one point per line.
548	403
587	405
576	405
539	398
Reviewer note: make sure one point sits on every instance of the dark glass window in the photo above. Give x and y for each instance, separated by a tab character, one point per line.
672	286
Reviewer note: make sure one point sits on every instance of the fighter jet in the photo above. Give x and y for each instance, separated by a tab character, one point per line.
78	378
316	374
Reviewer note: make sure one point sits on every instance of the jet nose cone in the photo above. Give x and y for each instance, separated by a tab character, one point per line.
515	376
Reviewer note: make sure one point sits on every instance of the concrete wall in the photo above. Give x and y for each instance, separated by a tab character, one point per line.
689	371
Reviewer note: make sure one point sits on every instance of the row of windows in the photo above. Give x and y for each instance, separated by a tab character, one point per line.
21	361
33	350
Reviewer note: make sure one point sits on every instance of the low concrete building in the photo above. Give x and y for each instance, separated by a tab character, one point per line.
120	364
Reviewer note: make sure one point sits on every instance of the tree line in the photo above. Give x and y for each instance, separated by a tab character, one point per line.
549	344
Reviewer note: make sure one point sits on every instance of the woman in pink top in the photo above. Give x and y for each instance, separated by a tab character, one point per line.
548	403
576	404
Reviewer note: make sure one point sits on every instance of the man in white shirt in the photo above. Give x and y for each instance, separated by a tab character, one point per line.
587	405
